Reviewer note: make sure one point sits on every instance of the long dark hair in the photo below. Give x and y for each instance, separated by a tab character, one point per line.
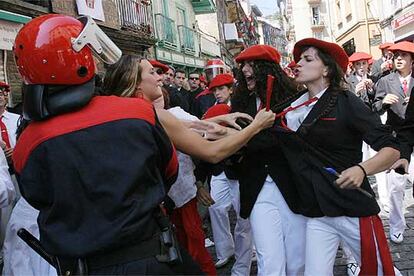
283	89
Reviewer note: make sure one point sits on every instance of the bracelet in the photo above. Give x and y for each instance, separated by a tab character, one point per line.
362	168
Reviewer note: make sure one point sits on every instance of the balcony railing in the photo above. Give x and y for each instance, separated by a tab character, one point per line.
135	15
166	31
43	3
314	2
209	47
317	23
188	38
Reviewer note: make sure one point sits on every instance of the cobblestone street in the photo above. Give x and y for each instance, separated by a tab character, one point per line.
402	254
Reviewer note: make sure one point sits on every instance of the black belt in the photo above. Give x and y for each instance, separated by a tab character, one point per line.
144	249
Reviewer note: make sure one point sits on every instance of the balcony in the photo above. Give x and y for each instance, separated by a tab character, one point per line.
209	47
317	23
43	3
203	6
314	2
166	31
187	39
135	15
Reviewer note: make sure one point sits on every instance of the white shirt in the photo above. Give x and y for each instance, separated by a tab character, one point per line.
184	188
295	117
11	121
7	192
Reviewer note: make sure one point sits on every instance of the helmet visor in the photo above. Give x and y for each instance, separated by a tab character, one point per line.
93	36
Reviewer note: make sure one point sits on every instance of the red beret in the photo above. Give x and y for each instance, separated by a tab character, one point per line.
332	49
5	86
359	56
220	80
203	79
217	110
157	64
404	46
259	52
385	45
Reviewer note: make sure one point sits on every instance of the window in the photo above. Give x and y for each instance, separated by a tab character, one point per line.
349	47
315	16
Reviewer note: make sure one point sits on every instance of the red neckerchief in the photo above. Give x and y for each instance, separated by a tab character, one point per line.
282	114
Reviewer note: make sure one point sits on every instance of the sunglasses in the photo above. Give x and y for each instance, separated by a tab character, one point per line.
194	78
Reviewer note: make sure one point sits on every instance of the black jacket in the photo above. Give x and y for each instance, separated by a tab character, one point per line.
335	140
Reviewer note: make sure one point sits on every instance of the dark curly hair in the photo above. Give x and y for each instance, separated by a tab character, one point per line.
284	88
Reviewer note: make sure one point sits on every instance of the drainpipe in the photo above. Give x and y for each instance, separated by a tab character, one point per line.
366	24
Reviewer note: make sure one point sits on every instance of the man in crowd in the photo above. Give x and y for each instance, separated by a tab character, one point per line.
392	96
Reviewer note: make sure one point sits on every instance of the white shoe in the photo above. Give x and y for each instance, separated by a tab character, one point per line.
397	238
208	242
352	269
222	262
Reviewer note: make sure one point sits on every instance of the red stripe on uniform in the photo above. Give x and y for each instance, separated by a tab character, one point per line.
101	109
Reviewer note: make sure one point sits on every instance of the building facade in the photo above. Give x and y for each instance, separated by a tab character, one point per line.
311	19
396	19
127	22
180	42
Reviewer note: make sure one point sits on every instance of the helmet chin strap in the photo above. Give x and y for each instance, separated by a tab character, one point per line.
43	101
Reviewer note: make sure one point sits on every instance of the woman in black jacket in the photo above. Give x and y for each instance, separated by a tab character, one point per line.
321	135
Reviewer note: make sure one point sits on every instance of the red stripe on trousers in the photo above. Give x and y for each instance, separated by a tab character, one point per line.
371	230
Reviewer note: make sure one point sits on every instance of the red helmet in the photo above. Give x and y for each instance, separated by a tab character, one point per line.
213	68
50	50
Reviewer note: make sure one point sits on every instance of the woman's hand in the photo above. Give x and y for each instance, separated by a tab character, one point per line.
351	178
264	119
230	119
401	163
208	130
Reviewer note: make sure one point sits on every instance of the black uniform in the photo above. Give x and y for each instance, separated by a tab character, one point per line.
97	176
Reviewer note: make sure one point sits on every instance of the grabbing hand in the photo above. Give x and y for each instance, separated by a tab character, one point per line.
230	119
264	119
390	99
204	197
208	130
401	163
350	178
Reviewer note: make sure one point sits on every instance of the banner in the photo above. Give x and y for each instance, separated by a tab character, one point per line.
92	8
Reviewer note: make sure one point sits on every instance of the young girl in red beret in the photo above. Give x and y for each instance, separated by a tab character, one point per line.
266	195
321	135
225	192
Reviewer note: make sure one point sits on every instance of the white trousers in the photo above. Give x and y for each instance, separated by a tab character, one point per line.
278	233
396	188
380	178
322	239
19	258
226	193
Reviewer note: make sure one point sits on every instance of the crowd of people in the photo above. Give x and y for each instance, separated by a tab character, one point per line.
107	176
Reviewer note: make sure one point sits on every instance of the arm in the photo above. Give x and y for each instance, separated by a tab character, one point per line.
353	177
374	133
212	151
